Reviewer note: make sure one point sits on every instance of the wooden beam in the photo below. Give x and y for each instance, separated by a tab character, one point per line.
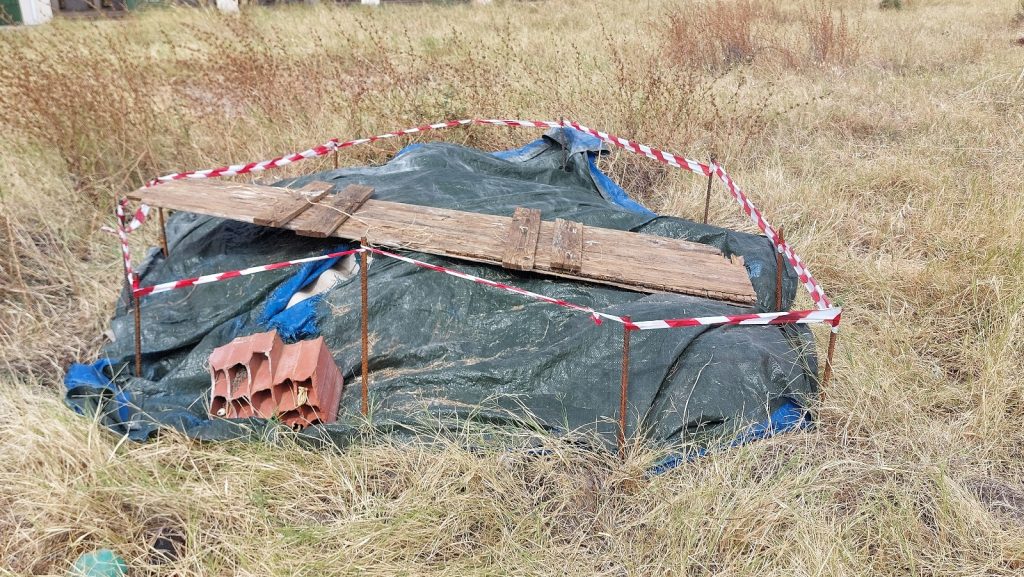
567	247
521	239
329	214
306	197
639	262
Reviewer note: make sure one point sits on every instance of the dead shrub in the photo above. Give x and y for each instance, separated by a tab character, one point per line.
103	110
829	36
726	33
718	35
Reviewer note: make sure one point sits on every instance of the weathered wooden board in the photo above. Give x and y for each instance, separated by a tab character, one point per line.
635	261
567	247
329	214
307	196
521	239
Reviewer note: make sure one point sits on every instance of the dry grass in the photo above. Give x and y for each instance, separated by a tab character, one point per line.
888	142
721	34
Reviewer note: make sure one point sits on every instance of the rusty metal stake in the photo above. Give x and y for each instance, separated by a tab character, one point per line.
624	390
138	334
364	286
778	271
825	378
163	235
565	151
707	195
335	157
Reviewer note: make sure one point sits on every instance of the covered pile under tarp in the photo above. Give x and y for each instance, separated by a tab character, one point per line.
444	351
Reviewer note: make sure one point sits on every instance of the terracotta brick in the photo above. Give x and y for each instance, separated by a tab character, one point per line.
260	376
263	403
309	387
240	368
301	417
240	409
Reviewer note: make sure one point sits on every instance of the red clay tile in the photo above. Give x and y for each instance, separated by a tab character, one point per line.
300	418
260	376
263	403
239	368
240	409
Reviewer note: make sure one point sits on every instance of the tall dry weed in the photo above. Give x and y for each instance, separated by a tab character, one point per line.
717	34
722	34
829	34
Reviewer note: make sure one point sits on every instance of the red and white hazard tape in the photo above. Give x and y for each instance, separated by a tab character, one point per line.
815	290
830	316
122	235
486	282
334	144
321	150
188	282
644	150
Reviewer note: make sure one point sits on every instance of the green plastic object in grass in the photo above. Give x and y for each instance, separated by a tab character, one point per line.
99	563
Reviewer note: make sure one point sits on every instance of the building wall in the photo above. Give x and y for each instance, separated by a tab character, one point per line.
36	11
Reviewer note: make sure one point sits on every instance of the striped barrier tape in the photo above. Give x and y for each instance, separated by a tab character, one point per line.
139	218
188	282
814	289
122	235
321	150
335	144
486	282
661	156
830	315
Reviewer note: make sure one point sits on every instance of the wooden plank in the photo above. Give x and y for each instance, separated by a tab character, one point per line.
305	197
638	260
232	200
668	265
521	239
331	213
567	246
633	261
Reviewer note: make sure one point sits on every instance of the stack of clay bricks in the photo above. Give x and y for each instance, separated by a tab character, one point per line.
260	376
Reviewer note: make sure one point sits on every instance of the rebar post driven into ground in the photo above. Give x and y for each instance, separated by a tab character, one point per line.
364	289
137	303
134	302
163	235
779	267
827	376
624	389
707	194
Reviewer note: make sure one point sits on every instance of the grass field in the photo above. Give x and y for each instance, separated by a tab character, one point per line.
888	142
